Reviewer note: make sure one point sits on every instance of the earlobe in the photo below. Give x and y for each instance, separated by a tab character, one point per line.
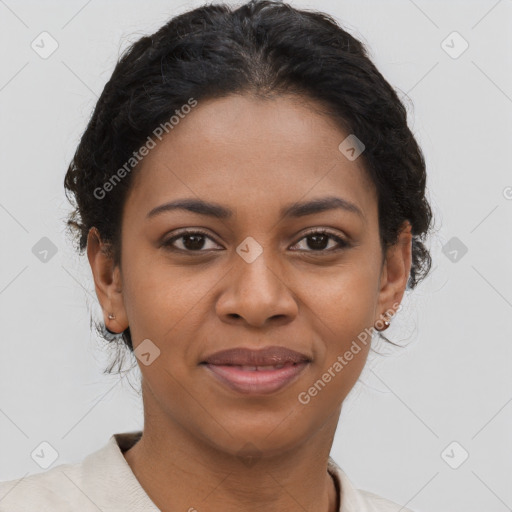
395	272
107	282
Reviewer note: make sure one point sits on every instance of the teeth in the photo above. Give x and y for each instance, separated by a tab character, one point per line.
262	368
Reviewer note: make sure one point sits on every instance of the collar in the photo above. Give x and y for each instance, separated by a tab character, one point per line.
99	465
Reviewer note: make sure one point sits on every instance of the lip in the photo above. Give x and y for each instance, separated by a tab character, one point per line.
242	356
256	382
258	372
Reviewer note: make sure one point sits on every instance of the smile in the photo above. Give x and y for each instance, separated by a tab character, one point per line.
256	380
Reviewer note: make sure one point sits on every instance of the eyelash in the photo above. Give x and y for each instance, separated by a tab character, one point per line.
343	244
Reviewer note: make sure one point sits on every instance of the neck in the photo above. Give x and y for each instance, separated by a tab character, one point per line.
181	472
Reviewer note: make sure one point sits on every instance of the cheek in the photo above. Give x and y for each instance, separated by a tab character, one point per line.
345	297
343	311
163	301
147	293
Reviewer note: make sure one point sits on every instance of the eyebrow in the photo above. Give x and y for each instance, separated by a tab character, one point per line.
294	210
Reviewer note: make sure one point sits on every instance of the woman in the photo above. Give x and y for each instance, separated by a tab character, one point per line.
252	203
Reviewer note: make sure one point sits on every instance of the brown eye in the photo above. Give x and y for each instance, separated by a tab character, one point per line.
318	241
190	241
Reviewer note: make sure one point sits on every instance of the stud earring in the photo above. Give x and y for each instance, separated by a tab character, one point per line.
378	325
111	316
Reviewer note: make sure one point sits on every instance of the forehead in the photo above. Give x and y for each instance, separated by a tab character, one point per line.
236	147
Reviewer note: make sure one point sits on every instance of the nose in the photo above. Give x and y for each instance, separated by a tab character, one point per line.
256	294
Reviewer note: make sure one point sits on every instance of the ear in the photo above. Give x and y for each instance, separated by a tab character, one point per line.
395	273
107	281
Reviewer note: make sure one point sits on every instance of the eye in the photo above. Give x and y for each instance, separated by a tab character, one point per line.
195	241
190	240
318	239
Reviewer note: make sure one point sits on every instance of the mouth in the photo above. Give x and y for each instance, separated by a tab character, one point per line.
257	379
256	372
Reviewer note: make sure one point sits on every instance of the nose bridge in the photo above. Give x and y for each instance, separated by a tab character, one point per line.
257	266
257	290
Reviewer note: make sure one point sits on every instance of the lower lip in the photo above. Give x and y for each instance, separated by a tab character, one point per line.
256	381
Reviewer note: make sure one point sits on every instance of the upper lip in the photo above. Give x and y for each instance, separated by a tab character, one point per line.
267	356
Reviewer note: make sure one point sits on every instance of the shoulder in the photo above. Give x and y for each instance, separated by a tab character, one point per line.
52	490
103	480
358	500
380	504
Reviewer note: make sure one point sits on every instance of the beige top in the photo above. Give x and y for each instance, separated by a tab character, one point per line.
104	482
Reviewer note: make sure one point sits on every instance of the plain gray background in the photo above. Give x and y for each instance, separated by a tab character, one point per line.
453	382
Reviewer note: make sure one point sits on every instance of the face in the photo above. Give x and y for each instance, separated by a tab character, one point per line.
271	270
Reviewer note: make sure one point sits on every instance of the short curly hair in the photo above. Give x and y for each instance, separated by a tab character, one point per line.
265	48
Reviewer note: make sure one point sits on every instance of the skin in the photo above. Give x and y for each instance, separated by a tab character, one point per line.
253	156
